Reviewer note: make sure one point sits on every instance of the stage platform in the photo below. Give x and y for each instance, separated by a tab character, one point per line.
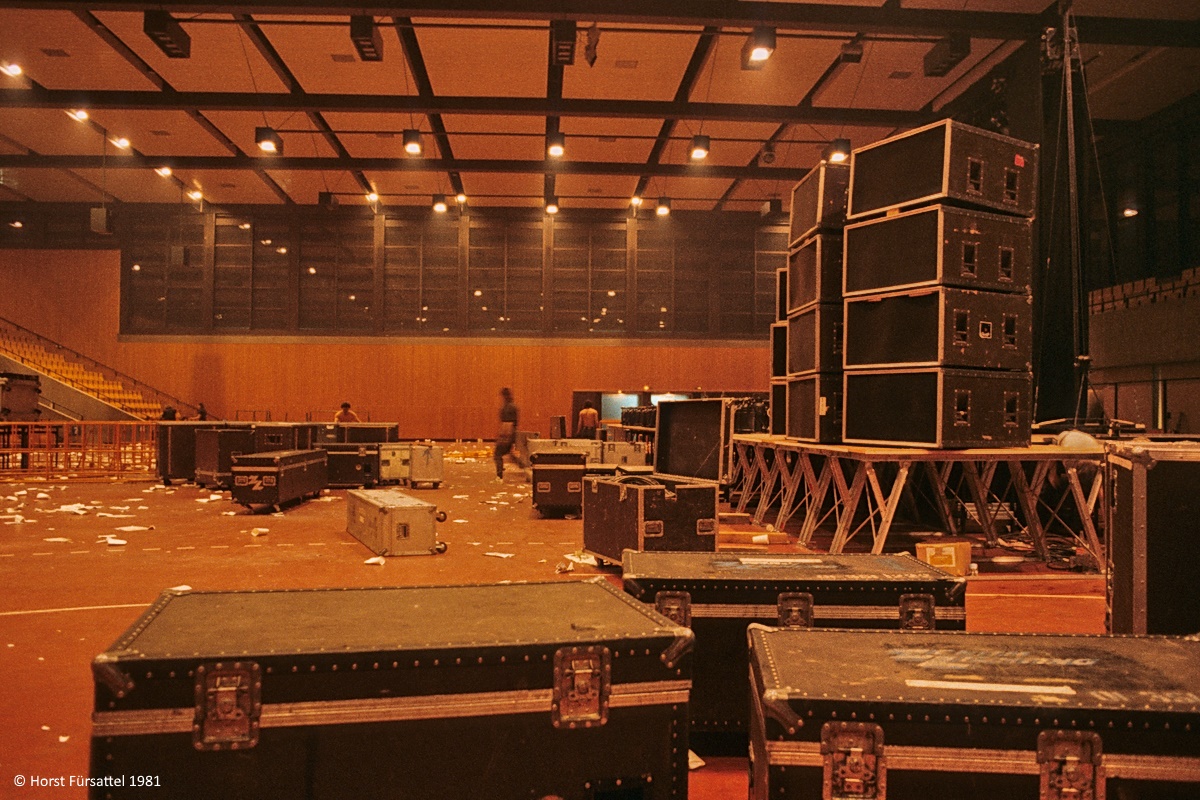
863	491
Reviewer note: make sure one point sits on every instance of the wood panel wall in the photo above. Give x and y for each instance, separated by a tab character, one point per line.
443	389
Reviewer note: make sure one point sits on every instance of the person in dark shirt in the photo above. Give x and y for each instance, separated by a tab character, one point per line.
201	412
506	436
169	412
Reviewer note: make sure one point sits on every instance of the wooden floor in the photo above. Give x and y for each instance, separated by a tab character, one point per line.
66	593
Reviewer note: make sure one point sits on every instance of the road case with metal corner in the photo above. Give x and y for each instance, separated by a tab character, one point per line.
367	432
818	202
569	689
939	327
940	408
426	464
392	523
628	453
815	339
814	407
648	512
718	594
592	449
215	449
939	246
815	272
177	448
353	465
1153	536
270	436
948	162
278	477
557	477
911	715
694	439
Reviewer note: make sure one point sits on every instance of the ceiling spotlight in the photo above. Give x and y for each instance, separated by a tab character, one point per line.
664	206
268	140
758	48
11	70
366	37
196	194
164	171
562	42
372	197
700	145
837	151
1129	212
168	34
412	142
460	198
16	223
551	205
78	114
556	144
120	142
946	55
635	201
439	203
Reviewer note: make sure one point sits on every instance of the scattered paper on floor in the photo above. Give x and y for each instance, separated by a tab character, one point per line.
377	560
499	555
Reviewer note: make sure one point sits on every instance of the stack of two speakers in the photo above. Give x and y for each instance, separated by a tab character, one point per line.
937	309
806	340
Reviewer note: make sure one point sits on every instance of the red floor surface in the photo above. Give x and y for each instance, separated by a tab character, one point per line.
66	593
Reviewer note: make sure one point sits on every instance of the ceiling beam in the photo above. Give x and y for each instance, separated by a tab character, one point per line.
17	161
416	66
683	92
505	106
275	61
887	18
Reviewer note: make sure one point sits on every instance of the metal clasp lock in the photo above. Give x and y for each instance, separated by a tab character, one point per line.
795	610
228	706
1070	764
675	606
917	612
854	764
582	684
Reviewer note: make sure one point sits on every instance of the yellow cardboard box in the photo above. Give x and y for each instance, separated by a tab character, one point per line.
949	555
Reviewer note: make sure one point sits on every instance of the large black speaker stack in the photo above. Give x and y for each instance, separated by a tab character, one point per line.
806	340
936	304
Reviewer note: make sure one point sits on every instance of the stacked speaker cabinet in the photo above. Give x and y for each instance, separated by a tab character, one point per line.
937	310
809	398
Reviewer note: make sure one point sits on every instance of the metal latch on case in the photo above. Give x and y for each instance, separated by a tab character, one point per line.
1070	765
795	610
854	767
228	706
706	527
917	612
582	684
652	528
675	606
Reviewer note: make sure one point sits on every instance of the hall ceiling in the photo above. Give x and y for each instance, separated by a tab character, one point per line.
475	78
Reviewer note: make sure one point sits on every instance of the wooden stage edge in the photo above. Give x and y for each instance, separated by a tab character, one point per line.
858	490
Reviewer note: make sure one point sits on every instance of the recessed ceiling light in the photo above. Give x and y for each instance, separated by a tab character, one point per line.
245	226
196	194
78	114
164	171
11	70
121	142
16	223
372	197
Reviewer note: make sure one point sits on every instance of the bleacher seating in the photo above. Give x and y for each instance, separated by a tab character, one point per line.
64	366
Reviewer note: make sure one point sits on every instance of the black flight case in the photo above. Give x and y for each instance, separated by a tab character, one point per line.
911	715
568	689
647	512
558	481
215	449
278	477
353	466
718	594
